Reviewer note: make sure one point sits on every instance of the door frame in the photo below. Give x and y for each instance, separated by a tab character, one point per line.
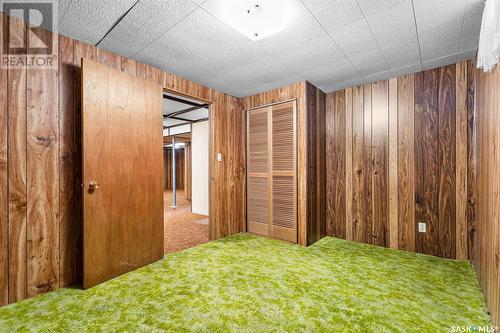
211	158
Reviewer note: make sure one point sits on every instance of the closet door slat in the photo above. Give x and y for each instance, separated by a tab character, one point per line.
258	204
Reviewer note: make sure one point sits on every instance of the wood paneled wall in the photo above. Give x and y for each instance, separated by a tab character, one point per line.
400	152
40	165
487	249
180	169
310	154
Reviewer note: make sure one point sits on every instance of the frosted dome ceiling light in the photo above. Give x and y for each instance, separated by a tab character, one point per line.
257	19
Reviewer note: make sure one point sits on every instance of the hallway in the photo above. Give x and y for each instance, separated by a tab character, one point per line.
183	229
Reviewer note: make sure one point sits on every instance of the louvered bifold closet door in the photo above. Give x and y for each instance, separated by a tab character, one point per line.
258	171
271	171
283	172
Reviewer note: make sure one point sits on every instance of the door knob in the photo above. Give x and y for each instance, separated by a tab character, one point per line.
93	185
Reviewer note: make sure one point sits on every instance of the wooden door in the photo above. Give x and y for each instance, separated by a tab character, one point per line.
122	134
271	171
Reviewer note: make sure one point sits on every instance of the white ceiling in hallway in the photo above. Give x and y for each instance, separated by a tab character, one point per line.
332	43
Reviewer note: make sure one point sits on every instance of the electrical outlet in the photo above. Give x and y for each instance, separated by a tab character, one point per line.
421	227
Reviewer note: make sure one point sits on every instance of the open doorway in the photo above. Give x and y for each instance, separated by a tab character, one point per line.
186	172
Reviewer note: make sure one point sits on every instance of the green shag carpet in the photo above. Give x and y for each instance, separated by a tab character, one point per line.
245	283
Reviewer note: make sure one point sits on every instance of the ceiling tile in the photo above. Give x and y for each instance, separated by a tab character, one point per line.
144	23
394	30
402	54
89	21
333	14
258	76
439	25
62	7
370	7
472	25
393	26
369	62
317	52
356	41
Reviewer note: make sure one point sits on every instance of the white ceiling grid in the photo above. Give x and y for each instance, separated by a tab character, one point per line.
333	43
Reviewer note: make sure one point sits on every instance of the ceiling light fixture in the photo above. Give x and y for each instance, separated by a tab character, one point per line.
257	19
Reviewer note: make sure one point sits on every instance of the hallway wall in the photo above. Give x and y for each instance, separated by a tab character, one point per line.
199	171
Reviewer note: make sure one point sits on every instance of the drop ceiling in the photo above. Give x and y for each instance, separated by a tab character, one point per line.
332	43
178	111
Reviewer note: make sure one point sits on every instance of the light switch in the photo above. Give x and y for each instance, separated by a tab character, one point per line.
219	157
422	227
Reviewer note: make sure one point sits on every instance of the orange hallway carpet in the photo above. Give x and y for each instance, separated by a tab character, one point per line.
183	229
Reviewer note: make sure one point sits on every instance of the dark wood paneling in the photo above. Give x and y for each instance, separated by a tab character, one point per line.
461	161
358	165
336	213
42	171
367	161
380	148
426	160
317	164
392	160
330	162
348	165
140	71
17	174
179	169
152	74
406	162
67	151
471	160
129	66
404	141
446	155
312	140
109	59
4	218
487	242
